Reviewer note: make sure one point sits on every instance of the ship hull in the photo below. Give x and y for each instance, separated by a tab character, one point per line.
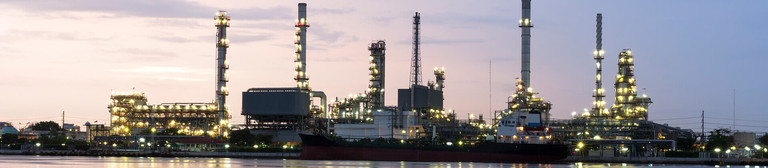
320	148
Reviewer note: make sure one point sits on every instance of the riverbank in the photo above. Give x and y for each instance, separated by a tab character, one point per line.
270	155
669	160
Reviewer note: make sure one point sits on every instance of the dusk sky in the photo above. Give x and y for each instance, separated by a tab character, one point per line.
689	55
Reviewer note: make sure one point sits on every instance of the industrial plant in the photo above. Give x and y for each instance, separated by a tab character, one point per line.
134	122
624	129
285	112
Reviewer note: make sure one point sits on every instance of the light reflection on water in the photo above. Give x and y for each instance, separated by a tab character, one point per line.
20	161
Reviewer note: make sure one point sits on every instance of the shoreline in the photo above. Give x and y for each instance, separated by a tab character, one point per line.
266	155
669	160
289	155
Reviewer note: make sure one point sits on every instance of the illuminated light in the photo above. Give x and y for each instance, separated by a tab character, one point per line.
449	143
595	52
717	150
580	145
461	143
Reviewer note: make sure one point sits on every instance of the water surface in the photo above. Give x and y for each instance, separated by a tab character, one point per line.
28	161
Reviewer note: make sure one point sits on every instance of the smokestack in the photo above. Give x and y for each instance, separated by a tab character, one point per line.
301	49
525	25
222	43
598	105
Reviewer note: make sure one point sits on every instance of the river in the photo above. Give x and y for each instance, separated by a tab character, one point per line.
29	161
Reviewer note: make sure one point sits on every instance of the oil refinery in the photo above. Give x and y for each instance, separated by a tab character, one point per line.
285	112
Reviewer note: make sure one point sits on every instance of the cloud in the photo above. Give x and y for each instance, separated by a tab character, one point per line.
429	41
178	78
321	11
138	53
330	39
176	39
69	36
149	8
250	38
167	70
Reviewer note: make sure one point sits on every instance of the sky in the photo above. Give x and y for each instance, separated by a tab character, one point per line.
690	56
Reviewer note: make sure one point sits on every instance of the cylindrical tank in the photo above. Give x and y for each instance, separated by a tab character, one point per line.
744	138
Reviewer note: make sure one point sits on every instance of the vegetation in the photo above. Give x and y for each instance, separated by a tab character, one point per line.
719	138
764	139
46	126
686	144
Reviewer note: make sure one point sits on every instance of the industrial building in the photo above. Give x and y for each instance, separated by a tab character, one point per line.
132	116
284	112
624	129
359	108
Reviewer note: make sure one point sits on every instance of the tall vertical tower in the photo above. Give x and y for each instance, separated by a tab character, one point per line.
416	60
627	105
599	104
525	25
376	87
301	49
222	43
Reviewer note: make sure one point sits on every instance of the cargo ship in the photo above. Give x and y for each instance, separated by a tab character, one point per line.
320	147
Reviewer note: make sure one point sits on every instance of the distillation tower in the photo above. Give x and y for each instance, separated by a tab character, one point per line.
627	105
222	43
377	74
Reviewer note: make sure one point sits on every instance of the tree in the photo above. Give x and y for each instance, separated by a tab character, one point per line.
242	137
686	144
719	138
9	139
46	126
764	139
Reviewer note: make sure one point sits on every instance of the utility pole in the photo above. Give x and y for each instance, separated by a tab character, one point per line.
490	90
702	126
